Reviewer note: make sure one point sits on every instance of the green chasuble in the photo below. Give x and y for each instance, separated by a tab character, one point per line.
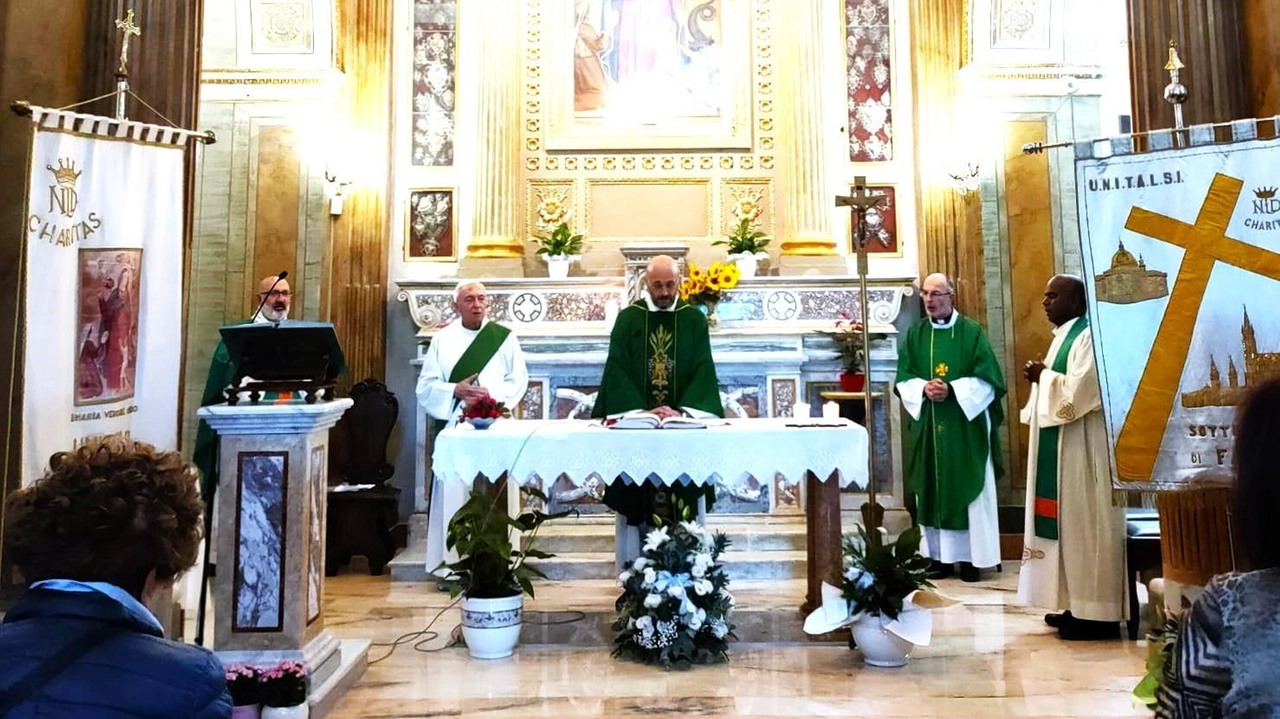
657	359
205	456
945	454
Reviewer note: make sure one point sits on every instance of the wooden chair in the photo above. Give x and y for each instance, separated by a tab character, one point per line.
1142	554
360	521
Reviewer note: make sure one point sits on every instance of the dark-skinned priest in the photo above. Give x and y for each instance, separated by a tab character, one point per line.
659	361
951	386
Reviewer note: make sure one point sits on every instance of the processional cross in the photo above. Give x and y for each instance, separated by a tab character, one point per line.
1204	243
859	202
128	28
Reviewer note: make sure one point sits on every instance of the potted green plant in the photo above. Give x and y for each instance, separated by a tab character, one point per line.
491	574
884	597
559	249
848	340
746	247
879	581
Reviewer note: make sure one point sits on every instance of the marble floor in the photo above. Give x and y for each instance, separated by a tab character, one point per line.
988	659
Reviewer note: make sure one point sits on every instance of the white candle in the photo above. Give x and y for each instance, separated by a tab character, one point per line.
831	410
800	411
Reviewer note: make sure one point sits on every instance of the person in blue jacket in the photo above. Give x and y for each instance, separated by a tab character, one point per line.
111	522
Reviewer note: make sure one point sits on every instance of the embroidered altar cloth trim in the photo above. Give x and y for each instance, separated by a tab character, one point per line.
542	450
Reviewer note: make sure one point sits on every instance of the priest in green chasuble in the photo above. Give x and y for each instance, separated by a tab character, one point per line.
951	386
659	361
468	359
1073	556
273	299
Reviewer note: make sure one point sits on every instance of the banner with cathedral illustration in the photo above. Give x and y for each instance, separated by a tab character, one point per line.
1181	255
102	269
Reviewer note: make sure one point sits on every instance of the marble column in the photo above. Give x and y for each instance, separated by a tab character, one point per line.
807	244
495	247
269	590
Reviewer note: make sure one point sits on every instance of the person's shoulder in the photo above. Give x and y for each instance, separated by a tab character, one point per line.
190	662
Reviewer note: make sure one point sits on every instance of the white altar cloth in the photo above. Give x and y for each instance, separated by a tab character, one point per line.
545	449
539	451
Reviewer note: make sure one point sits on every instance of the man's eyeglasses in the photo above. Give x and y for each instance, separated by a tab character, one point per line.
283	294
934	293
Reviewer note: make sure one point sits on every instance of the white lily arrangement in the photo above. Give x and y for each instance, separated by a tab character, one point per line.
675	605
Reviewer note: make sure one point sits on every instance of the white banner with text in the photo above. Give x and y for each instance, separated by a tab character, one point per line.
103	286
1181	254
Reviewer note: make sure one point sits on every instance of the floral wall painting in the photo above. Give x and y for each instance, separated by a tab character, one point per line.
432	226
867	51
435	66
649	74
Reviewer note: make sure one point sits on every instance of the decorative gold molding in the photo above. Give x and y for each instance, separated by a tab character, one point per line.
495	248
809	247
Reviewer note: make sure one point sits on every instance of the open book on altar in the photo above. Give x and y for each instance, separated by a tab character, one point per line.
649	420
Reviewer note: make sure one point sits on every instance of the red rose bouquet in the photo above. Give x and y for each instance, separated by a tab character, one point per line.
487	408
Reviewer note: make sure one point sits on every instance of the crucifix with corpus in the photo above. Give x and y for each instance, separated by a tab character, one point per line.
860	202
127	27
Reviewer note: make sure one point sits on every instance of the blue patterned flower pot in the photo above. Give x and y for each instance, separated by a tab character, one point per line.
491	627
481	422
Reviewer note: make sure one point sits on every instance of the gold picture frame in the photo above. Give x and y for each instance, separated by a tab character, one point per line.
431	225
598	97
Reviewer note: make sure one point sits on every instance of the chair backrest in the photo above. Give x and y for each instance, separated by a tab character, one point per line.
368	426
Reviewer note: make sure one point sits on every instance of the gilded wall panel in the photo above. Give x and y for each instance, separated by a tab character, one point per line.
648	209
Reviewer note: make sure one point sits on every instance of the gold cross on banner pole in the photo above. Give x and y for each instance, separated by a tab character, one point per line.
1205	243
128	28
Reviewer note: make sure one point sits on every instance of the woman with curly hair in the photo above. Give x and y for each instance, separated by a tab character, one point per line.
1226	659
110	523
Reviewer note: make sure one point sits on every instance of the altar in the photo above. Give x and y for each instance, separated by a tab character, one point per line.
769	357
825	453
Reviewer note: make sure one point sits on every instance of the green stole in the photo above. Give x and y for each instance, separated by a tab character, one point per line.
1046	504
483	347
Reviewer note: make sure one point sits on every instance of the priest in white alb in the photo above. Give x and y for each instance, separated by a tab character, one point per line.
1073	555
469	359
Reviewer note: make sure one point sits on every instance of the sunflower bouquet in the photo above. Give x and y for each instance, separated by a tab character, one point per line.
705	287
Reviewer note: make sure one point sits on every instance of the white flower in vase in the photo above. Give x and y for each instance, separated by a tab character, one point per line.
652	601
655	539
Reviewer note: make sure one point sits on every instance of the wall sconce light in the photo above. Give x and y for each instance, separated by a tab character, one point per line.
336	189
967	179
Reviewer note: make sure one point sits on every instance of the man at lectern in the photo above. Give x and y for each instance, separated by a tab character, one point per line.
272	299
469	359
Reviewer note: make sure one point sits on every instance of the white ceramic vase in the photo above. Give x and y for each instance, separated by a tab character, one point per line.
300	711
747	262
880	647
558	265
491	627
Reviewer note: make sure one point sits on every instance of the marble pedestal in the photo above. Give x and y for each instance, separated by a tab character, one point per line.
269	590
